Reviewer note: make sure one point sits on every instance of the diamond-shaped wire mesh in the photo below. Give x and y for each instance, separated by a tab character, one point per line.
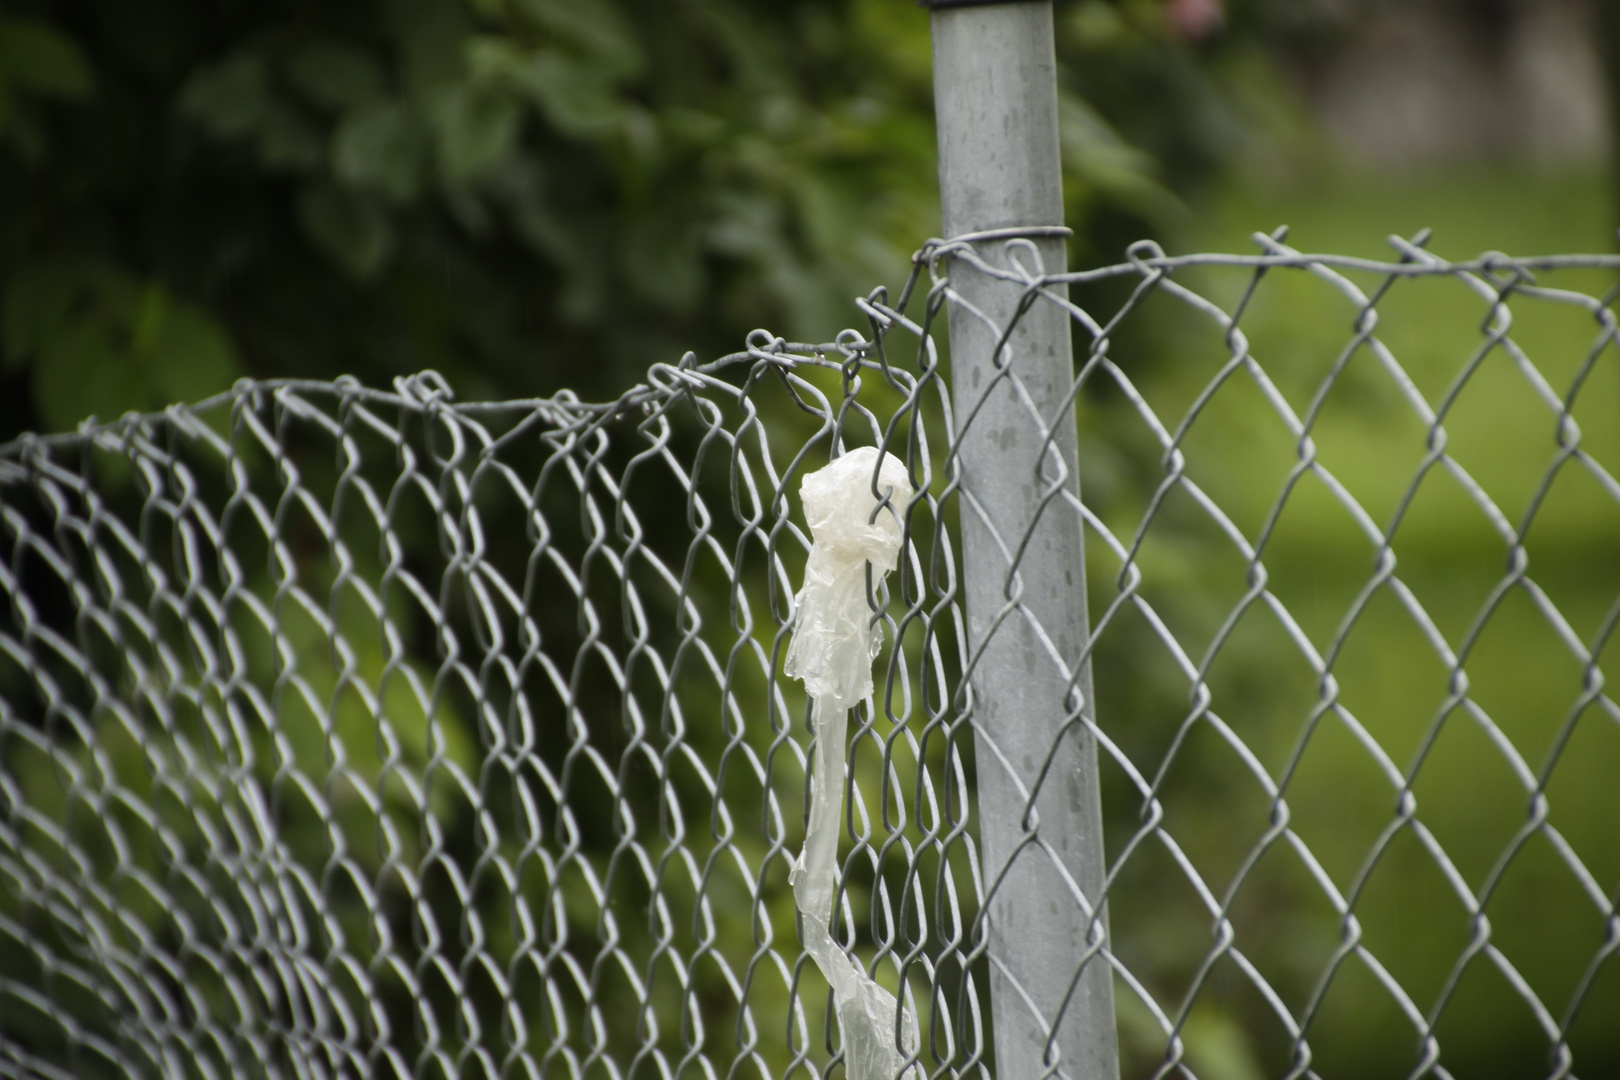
1349	613
351	732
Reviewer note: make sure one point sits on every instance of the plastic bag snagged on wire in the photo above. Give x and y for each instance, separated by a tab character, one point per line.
835	639
834	636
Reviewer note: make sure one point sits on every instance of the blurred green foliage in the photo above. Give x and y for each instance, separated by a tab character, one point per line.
522	194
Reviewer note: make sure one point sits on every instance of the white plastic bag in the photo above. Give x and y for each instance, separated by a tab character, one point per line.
834	642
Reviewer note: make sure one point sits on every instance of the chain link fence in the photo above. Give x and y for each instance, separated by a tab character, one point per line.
350	732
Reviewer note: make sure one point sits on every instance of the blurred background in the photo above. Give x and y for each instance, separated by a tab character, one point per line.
533	195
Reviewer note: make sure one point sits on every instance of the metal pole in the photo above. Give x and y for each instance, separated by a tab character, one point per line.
995	99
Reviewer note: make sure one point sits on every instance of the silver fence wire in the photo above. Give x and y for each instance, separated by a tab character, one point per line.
352	732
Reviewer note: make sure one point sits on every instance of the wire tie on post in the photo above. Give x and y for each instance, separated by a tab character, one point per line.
934	247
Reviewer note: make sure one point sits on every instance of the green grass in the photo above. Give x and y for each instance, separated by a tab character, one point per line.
1522	675
1470	209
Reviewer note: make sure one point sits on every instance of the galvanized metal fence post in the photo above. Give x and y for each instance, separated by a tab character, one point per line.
996	106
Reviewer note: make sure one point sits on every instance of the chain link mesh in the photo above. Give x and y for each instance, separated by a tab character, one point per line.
348	732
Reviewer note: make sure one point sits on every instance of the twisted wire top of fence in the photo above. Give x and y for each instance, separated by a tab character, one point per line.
347	731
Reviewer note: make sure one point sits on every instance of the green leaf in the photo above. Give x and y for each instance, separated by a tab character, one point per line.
476	127
577	98
100	342
38	299
232	98
495	59
146	324
335	76
38	57
595	29
429	34
80	373
45	300
349	228
380	147
693	127
187	354
287	142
